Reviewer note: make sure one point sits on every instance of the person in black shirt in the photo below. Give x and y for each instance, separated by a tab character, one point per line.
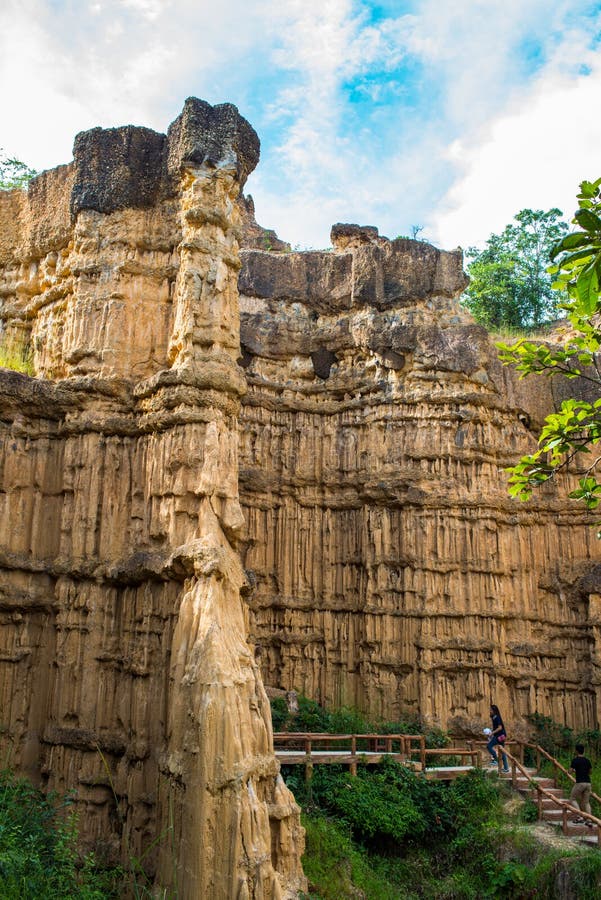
581	792
497	737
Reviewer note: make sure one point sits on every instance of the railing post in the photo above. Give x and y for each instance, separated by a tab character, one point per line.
599	835
539	796
564	820
422	751
513	773
354	754
308	761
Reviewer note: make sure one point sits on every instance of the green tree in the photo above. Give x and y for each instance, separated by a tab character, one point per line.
14	173
509	283
576	427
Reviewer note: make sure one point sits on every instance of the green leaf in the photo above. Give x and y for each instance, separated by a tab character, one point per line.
569	242
588	220
568	262
587	189
587	287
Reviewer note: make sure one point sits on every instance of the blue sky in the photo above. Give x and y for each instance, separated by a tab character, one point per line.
451	116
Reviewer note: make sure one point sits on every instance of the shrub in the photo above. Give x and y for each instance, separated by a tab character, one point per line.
38	852
347	720
336	868
279	713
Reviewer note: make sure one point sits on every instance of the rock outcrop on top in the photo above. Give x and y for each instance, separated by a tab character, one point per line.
125	671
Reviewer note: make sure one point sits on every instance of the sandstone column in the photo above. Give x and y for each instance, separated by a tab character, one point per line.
121	590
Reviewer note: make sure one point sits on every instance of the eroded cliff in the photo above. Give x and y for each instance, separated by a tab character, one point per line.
366	543
125	671
390	568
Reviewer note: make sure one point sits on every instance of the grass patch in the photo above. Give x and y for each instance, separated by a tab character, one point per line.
17	360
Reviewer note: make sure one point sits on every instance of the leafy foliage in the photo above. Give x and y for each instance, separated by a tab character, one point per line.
389	805
38	855
338	866
14	173
576	427
389	833
509	283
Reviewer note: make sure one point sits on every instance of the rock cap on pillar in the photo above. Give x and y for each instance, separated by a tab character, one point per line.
212	135
136	167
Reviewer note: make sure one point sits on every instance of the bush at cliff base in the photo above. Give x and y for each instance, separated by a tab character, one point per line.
390	834
315	718
38	855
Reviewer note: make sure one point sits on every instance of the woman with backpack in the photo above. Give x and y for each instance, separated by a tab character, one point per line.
497	738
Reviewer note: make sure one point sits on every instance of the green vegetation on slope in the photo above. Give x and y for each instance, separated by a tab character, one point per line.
19	361
38	854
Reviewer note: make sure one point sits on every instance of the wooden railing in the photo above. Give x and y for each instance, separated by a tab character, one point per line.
309	748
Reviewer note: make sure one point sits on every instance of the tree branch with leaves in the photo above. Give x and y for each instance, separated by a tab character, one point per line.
575	428
14	173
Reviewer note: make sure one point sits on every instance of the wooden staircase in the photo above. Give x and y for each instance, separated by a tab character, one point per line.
549	809
553	802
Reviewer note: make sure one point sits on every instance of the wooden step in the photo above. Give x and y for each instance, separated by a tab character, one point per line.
589	838
548	803
522	784
586	835
555	815
557	792
577	830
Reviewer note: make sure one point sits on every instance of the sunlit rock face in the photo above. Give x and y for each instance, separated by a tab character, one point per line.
125	670
365	550
390	569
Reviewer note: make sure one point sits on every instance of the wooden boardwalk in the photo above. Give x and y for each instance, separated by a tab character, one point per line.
313	748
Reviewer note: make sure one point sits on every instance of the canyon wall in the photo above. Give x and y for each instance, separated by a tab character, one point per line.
390	569
364	551
125	670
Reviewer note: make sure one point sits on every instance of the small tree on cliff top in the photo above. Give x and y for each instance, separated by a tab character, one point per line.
576	427
509	283
14	173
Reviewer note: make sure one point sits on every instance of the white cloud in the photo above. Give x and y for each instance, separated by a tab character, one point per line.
533	156
67	67
362	118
